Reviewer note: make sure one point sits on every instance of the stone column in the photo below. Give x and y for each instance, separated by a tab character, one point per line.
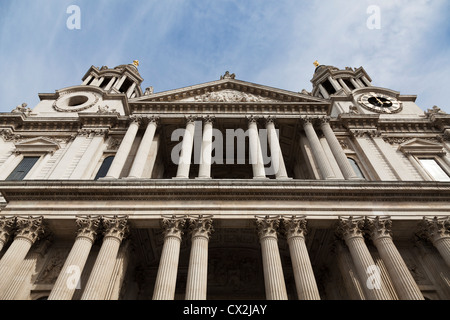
256	158
273	270
404	284
351	232
275	149
334	83
337	151
125	146
168	266
84	166
6	229
116	229
196	285
317	150
349	275
437	230
184	163
303	273
144	148
70	273
324	92
204	171
28	231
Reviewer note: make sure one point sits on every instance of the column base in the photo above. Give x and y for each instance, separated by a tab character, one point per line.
203	178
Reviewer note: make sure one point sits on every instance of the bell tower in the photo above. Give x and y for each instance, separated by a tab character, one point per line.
121	79
329	80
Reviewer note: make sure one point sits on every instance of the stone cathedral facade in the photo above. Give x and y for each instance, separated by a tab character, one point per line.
224	190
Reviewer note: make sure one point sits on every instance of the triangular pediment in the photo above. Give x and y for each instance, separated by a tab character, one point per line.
37	145
230	90
422	146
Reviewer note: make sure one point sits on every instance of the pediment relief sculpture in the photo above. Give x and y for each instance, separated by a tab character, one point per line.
229	95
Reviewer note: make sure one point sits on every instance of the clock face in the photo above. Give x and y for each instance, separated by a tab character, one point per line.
380	103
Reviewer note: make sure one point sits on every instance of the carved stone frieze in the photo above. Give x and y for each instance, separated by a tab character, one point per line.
229	95
52	266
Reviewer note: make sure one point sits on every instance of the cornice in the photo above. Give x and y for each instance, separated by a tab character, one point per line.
237	190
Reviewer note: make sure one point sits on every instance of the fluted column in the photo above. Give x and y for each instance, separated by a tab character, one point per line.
6	229
168	266
184	163
273	270
351	232
196	286
303	273
144	148
255	153
404	284
204	170
337	151
125	146
349	275
437	230
317	150
70	273
275	150
28	231
116	229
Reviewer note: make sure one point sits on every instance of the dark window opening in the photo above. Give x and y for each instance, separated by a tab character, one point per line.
356	168
77	101
105	82
23	168
126	85
104	167
349	84
328	86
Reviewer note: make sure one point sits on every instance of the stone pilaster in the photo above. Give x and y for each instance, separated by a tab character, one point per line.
124	149
437	230
275	149
204	170
273	270
168	266
29	230
184	163
316	147
196	286
255	153
116	228
351	231
144	148
404	284
303	273
6	229
70	274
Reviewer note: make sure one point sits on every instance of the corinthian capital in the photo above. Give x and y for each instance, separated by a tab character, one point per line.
379	227
434	228
201	226
173	226
116	227
6	228
29	228
295	227
267	226
350	227
87	227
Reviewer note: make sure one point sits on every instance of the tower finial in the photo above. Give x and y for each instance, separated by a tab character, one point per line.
316	63
136	63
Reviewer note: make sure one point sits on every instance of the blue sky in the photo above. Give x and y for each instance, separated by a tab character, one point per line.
181	43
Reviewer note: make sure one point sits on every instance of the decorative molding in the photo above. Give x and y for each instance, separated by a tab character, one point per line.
379	227
267	226
229	95
30	228
295	227
87	227
115	227
434	228
201	226
173	226
350	227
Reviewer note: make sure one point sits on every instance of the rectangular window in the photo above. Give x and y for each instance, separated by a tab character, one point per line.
23	168
434	169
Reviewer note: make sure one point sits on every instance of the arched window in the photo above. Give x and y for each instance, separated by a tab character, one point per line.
356	168
104	167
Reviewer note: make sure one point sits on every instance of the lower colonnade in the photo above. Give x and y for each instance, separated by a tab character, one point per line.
27	237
